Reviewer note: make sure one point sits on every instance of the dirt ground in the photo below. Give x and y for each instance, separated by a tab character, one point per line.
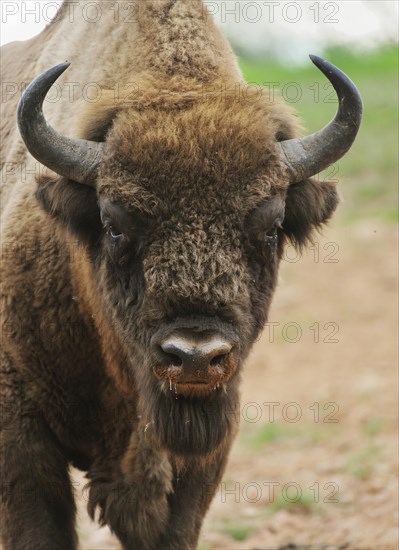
315	464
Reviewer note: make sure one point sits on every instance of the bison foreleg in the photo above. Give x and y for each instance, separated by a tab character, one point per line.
195	483
37	509
134	505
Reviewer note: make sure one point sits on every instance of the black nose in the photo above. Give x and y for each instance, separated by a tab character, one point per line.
195	356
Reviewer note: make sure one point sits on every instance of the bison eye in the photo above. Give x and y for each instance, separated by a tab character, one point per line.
272	233
114	233
271	237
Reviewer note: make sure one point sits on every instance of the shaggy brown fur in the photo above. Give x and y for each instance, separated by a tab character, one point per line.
205	207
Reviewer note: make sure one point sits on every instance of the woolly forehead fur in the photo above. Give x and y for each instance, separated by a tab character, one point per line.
189	143
197	163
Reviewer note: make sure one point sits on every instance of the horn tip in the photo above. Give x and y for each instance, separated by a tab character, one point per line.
60	68
318	61
64	66
314	57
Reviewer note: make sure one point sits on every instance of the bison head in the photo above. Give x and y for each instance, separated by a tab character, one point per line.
184	205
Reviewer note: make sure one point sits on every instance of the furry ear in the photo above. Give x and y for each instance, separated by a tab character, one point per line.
309	205
74	205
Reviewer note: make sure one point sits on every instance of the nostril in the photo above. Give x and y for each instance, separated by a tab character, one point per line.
218	359
168	356
174	359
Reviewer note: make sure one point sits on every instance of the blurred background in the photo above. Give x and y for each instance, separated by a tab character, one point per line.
315	462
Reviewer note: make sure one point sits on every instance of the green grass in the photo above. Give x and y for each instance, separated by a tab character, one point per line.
368	173
238	532
255	438
374	426
267	433
362	463
304	504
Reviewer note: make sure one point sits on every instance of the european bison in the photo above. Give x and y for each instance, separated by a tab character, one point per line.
122	355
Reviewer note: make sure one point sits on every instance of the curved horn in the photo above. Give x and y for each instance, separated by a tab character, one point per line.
77	159
310	155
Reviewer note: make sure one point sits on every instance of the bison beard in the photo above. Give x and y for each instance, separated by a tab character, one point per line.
190	425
